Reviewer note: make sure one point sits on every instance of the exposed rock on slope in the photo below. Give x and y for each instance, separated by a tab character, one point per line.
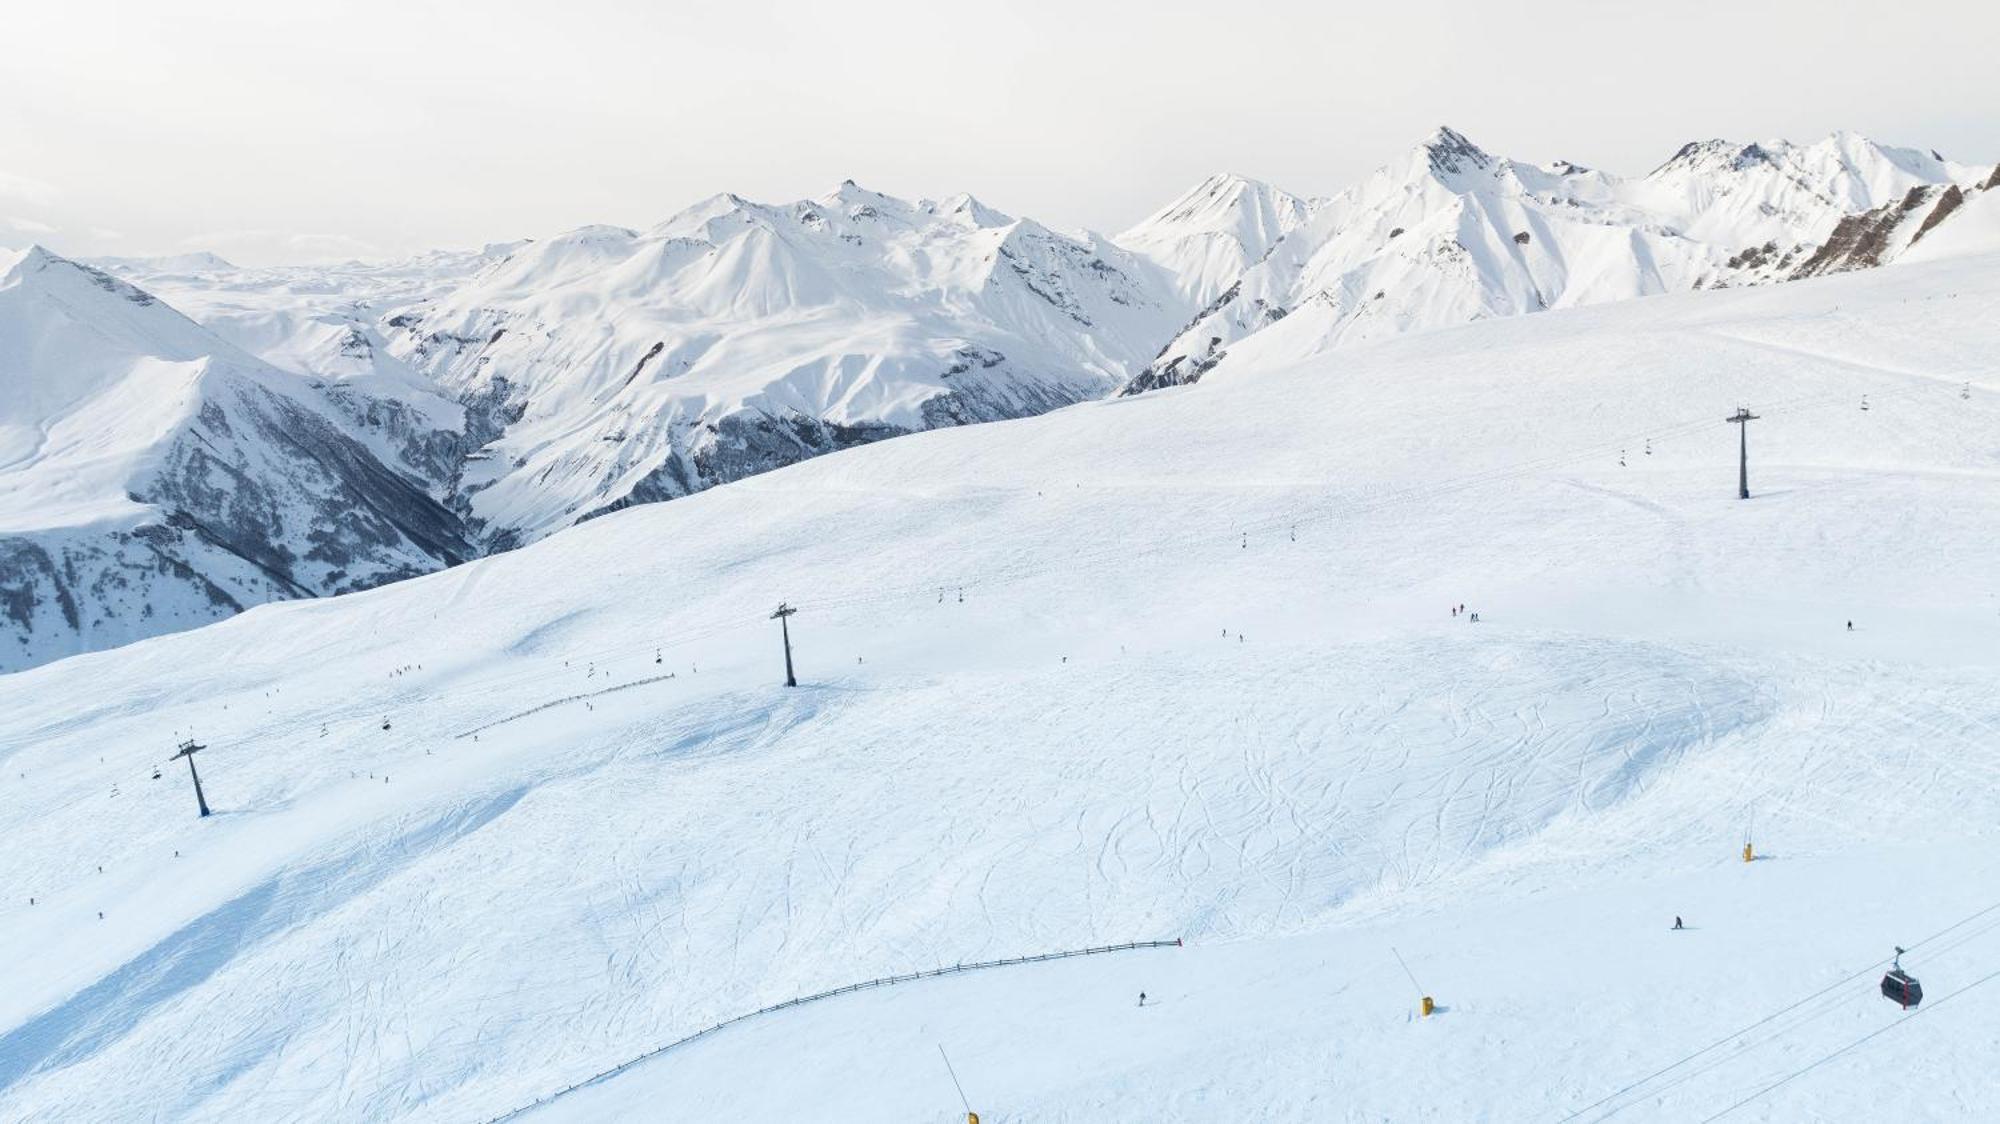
1884	234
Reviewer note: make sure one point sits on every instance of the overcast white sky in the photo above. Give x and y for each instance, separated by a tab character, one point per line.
272	130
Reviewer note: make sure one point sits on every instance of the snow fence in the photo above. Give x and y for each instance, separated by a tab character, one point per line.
883	981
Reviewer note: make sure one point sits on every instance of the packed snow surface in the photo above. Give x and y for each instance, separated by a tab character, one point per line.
1176	665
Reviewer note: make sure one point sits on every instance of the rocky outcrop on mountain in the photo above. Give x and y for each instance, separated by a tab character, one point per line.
1882	235
1868	239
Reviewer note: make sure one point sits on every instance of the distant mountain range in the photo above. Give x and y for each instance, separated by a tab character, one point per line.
1449	234
304	431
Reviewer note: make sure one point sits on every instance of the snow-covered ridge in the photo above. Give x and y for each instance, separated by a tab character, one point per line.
154	476
736	336
1449	233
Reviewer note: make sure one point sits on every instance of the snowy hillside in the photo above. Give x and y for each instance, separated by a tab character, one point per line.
1449	234
152	477
1174	665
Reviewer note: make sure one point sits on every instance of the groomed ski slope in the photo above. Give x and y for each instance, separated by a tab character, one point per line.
404	923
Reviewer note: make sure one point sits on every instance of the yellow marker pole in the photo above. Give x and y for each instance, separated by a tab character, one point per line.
1424	1005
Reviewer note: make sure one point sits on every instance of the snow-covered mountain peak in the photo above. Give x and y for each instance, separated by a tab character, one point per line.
966	210
49	293
851	194
19	266
1452	159
16	263
862	205
1208	235
1250	210
1877	173
692	221
1709	157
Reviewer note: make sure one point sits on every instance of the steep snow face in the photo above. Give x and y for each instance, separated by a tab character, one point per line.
1449	233
154	477
620	366
1209	236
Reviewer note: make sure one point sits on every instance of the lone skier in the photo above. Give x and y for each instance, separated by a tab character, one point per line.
1677	922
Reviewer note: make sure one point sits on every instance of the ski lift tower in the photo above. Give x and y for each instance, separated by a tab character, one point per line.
1743	418
188	750
782	616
